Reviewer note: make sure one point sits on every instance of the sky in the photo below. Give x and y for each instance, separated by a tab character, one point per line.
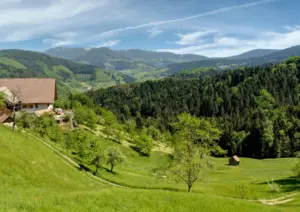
213	28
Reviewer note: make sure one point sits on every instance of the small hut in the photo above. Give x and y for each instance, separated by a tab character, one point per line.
5	115
234	161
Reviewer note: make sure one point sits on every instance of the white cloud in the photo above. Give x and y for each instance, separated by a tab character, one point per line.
109	43
292	28
154	32
224	46
113	32
57	42
61	39
58	10
192	38
68	22
31	19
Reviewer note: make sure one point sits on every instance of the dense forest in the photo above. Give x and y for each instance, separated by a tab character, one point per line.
256	107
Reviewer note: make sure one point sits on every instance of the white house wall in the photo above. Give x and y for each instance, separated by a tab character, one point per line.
40	107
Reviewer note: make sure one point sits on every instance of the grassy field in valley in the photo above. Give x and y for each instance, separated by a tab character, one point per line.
34	178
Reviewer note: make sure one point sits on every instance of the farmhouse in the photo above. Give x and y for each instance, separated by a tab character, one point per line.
234	161
32	94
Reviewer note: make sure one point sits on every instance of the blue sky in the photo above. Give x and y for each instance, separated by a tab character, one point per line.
214	28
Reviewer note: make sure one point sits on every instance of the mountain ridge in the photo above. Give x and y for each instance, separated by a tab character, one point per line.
70	75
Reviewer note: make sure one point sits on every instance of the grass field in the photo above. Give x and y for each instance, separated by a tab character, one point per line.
34	178
220	180
11	62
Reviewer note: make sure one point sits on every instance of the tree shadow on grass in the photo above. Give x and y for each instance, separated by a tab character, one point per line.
138	151
287	184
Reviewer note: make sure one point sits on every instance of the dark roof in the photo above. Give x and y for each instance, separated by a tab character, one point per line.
4	115
32	90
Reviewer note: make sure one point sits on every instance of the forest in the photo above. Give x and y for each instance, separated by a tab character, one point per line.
256	107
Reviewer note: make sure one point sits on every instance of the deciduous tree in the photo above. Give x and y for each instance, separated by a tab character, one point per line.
196	139
114	158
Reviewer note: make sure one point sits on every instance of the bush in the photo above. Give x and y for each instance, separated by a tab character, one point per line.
143	144
27	120
242	189
273	187
47	127
296	169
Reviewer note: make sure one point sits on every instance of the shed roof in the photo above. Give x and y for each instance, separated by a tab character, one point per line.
4	114
236	158
32	90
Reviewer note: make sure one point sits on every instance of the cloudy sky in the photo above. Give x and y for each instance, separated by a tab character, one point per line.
207	27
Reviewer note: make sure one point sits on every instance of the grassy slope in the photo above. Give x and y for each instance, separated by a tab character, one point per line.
70	76
33	178
221	180
11	62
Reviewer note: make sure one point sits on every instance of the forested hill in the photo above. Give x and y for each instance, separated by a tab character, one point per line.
120	60
258	107
69	75
239	60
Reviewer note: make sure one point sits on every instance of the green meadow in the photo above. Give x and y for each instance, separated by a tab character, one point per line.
34	178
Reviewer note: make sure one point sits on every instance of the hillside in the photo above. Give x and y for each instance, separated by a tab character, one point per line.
107	58
254	53
237	61
70	76
231	98
33	178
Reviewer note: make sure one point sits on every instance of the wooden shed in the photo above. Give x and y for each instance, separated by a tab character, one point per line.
5	115
234	161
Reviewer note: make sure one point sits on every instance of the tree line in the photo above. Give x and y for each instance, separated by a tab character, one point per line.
256	107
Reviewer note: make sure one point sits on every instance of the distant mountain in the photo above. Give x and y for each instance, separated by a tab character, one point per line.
123	59
70	76
253	53
92	56
229	63
284	54
159	58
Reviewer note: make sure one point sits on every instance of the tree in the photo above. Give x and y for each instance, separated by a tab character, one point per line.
69	140
296	169
196	139
114	158
237	139
110	121
13	101
87	116
82	139
143	144
91	119
2	99
139	122
47	127
98	156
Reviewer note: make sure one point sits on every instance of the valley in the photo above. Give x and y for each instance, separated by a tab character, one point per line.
149	106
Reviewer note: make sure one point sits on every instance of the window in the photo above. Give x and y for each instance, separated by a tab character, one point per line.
36	105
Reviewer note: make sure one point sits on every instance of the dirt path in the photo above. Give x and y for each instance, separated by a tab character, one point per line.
278	201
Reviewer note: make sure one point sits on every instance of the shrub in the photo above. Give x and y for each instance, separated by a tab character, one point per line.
243	189
273	187
296	169
143	144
